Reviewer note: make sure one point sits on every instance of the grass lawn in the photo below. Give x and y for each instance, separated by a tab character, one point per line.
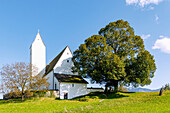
141	102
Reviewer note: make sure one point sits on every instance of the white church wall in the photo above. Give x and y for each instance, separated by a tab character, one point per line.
1	95
57	83
65	63
72	90
52	80
38	54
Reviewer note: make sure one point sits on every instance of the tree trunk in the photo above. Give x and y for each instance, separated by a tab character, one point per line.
161	91
110	89
106	88
22	96
115	86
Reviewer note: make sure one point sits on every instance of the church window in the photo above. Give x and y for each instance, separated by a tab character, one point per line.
67	60
67	53
55	86
72	85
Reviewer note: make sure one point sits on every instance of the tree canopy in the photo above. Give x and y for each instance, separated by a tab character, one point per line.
18	77
115	55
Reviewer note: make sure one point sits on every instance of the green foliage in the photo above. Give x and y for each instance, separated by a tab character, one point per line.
95	58
140	69
116	55
120	36
166	87
39	93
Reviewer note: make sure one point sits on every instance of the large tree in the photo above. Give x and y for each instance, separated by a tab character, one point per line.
18	77
115	55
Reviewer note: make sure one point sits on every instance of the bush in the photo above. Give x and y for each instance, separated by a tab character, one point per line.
166	87
39	93
95	97
28	94
84	99
35	94
12	95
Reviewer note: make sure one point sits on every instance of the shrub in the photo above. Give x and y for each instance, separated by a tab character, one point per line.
39	93
95	97
84	99
35	94
166	87
12	95
28	94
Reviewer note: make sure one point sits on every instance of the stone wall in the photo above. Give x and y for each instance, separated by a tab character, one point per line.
52	94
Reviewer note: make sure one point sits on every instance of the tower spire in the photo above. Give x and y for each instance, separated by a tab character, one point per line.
38	54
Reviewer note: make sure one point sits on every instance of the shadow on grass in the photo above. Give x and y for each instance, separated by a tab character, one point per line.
100	95
18	100
127	92
116	96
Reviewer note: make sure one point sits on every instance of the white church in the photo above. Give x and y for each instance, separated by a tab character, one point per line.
58	71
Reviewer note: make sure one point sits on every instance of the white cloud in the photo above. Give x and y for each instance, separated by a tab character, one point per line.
129	2
157	19
163	44
161	36
145	36
142	3
151	8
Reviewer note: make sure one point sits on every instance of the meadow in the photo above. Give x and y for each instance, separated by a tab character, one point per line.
139	102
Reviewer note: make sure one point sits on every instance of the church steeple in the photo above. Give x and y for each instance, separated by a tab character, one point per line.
38	53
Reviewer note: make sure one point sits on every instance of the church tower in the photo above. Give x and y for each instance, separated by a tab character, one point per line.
38	54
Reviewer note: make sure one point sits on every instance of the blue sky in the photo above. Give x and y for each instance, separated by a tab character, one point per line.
70	22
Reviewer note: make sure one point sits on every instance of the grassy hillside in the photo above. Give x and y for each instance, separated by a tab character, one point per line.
121	102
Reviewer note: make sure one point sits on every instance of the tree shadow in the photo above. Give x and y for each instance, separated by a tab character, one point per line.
126	92
5	101
116	95
17	100
101	95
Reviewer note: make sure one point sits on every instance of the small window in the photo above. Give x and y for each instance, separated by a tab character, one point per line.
67	53
72	85
67	60
55	86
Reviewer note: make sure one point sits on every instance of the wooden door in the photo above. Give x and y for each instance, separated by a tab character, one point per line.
65	95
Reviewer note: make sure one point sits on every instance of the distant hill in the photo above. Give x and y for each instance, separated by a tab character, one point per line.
141	90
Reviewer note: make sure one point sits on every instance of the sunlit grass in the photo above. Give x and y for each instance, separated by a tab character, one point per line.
119	103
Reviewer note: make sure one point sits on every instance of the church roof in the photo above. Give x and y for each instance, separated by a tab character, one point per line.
51	65
70	78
